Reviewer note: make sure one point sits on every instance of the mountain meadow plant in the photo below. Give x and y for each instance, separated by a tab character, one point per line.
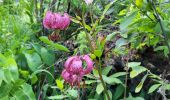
85	49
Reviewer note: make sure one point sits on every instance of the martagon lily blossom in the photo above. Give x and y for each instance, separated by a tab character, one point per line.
56	21
74	71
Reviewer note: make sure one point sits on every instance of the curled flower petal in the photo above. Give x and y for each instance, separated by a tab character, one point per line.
89	64
66	76
76	66
66	21
47	21
68	62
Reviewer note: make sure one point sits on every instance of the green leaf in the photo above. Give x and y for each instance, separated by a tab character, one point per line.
90	81
58	97
88	27
133	64
47	56
167	86
59	84
106	70
106	9
27	90
53	45
34	79
99	88
60	47
162	48
98	53
127	21
118	92
95	73
111	80
121	42
136	71
33	60
118	74
110	95
111	36
40	71
139	3
140	85
73	93
45	40
154	87
134	98
12	66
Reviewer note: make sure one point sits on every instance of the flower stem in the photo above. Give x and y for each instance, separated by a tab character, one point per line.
98	63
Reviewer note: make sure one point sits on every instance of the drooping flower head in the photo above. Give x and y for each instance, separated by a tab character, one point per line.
88	2
74	70
56	21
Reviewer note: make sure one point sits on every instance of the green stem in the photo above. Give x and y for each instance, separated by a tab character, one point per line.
161	25
98	64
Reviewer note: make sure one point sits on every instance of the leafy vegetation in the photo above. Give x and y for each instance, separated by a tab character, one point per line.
85	49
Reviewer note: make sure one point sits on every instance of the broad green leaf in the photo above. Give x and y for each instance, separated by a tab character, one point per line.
12	66
33	60
136	71
47	56
162	48
45	40
133	98
111	36
34	79
139	3
73	93
110	95
58	97
154	87
95	73
118	74
121	42
140	85
60	47
2	60
98	53
127	21
53	45
111	80
90	81
59	84
40	71
27	90
167	86
118	92
92	56
133	64
99	88
106	70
